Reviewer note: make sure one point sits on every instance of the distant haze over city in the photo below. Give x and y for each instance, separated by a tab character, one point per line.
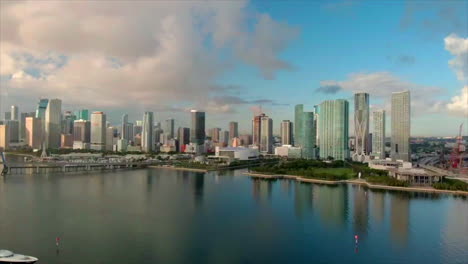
235	59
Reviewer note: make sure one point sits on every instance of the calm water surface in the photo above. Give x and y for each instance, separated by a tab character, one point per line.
165	216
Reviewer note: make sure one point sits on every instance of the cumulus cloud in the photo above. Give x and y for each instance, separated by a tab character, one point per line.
134	54
383	84
458	47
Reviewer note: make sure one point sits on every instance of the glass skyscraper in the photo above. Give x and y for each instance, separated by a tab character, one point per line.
309	135
147	140
401	126
298	131
197	132
378	140
334	129
361	126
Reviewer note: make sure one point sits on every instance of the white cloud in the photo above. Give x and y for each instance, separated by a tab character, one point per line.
133	54
458	47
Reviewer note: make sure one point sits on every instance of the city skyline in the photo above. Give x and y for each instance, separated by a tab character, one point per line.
294	62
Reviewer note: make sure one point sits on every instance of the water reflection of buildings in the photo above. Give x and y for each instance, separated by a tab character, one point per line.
378	205
198	185
399	217
361	210
303	197
455	233
262	189
331	202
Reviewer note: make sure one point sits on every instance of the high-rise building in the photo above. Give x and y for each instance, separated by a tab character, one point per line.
257	129
14	112
147	140
66	141
298	129
225	138
67	123
53	115
98	130
233	130
214	134
22	126
308	135
4	137
266	138
7	116
82	114
334	129
246	140
33	132
13	128
361	126
378	141
41	109
137	128
169	128
110	133
197	132
183	136
401	126
82	131
286	132
124	129
317	126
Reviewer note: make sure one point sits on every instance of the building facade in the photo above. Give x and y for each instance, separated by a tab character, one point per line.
53	123
286	129
361	126
334	129
197	131
147	140
183	136
98	130
401	126
33	132
298	131
378	137
233	130
4	137
308	136
266	138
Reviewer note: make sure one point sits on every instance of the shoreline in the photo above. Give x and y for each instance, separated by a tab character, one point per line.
354	182
177	168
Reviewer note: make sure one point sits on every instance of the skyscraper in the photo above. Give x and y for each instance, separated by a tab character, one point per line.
197	132
378	141
124	129
82	131
401	126
183	136
214	133
22	128
4	137
233	130
7	116
286	132
257	129
13	128
67	123
82	114
53	115
41	109
308	135
169	128
266	138
98	130
334	129
225	138
147	140
361	126
33	132
298	131
14	112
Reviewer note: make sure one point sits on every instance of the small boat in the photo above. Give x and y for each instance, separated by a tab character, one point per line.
8	257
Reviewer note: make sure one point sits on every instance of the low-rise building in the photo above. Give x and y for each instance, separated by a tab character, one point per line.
289	152
237	153
415	176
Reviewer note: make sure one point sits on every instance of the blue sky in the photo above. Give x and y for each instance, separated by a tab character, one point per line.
230	57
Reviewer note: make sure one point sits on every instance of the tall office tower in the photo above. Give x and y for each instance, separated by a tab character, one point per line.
137	129
214	134
361	126
158	135
334	129
246	140
82	114
53	116
4	137
317	125
82	131
41	109
401	126
67	122
298	129
7	116
286	132
183	136
308	135
224	138
66	141
266	138
197	132
110	132
98	130
147	140
14	112
22	120
33	132
233	130
13	128
124	129
257	129
169	128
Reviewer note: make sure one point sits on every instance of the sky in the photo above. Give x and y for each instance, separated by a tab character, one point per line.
234	59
